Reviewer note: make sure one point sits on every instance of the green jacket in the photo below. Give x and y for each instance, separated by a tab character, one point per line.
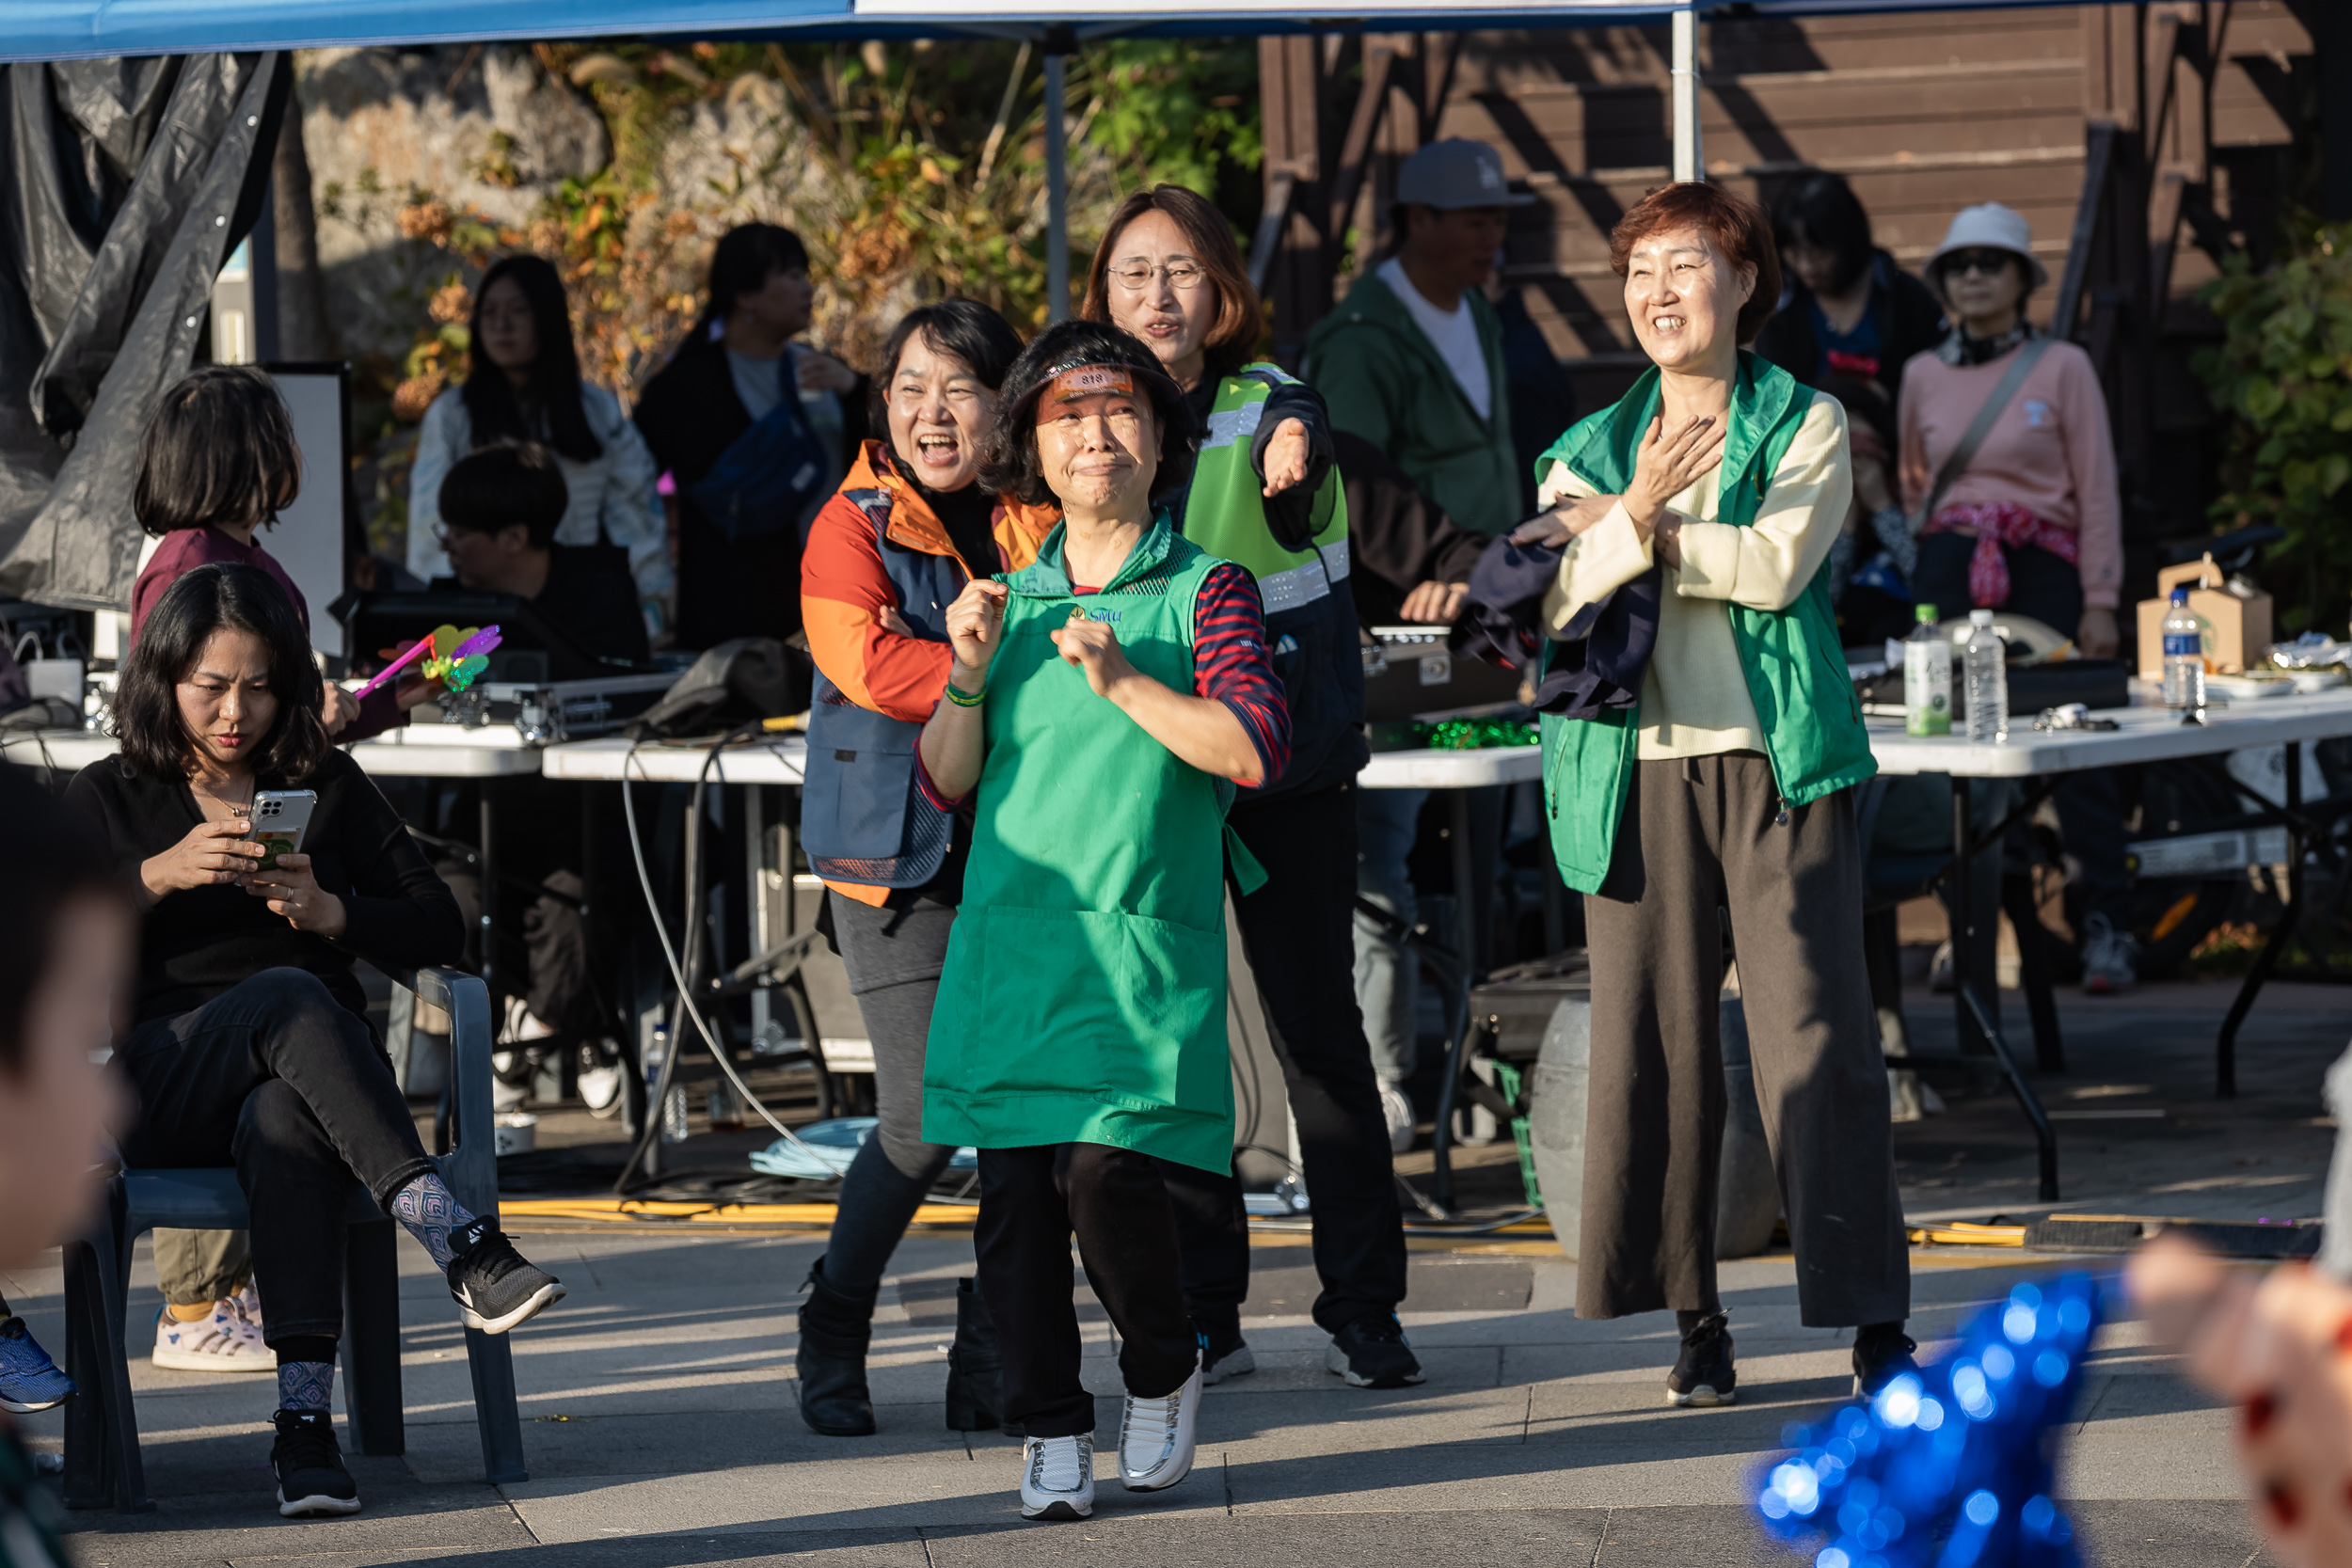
1383	380
1792	659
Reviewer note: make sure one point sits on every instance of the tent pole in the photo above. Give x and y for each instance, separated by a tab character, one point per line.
1056	188
1689	162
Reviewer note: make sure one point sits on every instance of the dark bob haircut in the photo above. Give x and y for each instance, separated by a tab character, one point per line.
219	449
553	387
54	856
972	332
492	488
218	597
1009	462
1210	238
1736	225
741	263
1821	210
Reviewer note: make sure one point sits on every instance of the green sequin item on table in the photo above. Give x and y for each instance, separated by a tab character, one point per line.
1471	734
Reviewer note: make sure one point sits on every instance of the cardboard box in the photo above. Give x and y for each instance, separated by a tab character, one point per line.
2236	627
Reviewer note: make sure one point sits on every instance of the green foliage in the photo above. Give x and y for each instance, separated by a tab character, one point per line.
2283	378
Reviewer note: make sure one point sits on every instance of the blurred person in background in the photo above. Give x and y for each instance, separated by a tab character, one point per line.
909	526
67	937
755	431
2032	525
1263	494
1845	308
526	386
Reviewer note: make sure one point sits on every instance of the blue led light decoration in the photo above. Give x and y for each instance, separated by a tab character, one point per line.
1951	1467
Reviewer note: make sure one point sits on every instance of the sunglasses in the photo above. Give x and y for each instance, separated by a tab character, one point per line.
1986	263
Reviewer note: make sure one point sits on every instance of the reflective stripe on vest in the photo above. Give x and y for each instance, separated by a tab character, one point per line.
1225	512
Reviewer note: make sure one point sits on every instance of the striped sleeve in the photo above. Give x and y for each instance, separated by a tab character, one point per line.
1230	664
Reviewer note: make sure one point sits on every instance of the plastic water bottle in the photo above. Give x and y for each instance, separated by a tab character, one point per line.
1984	664
1927	677
2184	654
674	1114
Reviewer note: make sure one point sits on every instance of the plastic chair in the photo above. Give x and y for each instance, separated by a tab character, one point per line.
103	1467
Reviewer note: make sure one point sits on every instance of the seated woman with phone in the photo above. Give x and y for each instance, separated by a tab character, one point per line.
265	861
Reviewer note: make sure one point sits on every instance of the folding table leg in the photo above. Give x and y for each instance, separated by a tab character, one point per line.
90	1468
2225	1049
371	1346
1971	1001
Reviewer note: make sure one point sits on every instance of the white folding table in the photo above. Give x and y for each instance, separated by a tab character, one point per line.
2141	735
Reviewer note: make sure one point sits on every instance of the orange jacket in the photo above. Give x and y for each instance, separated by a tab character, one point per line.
844	587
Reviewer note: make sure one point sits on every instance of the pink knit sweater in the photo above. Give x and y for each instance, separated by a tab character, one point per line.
2049	450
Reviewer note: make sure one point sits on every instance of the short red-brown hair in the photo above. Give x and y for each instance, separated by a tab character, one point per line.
1737	226
1210	236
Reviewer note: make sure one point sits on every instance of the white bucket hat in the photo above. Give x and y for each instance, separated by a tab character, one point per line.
1989	227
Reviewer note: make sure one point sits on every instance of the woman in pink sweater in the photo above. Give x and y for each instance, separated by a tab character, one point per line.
2033	525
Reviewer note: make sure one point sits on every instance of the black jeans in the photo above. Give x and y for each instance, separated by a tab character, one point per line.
1031	1200
2048	589
1299	932
278	1078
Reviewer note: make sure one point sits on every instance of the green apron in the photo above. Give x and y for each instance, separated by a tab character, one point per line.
1083	999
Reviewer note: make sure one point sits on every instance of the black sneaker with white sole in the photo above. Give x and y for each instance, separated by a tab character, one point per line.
310	1464
1703	1375
1882	1352
495	1284
1224	1354
1372	1353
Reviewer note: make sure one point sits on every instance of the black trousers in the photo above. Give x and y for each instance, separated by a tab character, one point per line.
1031	1200
278	1078
1299	932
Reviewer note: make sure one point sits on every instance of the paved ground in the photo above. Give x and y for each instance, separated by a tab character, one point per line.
660	1430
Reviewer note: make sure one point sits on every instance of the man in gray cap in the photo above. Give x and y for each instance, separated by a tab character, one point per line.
1412	358
1412	363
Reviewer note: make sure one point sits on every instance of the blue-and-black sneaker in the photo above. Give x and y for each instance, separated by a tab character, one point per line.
29	1381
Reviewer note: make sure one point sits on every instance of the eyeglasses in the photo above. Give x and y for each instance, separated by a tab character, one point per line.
1987	264
1179	275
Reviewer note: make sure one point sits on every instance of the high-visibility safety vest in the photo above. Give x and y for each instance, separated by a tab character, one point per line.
1309	612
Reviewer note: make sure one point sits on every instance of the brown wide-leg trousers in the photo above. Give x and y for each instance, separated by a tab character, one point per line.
1700	834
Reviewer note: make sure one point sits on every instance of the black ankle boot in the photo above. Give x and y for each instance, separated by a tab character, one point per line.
834	1331
976	1366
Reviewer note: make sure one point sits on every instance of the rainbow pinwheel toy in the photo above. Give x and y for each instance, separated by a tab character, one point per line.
452	656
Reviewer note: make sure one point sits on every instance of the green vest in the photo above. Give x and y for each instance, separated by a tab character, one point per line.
1792	660
1083	999
1225	513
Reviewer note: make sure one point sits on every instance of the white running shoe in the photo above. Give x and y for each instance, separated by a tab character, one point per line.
224	1341
600	1091
1396	1108
1057	1478
1155	1437
247	1305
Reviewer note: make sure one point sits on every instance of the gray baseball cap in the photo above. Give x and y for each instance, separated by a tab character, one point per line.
1457	172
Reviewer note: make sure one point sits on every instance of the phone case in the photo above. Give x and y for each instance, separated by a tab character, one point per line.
279	819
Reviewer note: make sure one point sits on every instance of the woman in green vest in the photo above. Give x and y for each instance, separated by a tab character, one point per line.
1708	497
1105	701
1265	495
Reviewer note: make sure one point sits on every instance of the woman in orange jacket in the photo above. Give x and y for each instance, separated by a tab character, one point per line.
884	559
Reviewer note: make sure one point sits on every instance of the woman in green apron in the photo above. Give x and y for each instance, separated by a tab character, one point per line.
1105	702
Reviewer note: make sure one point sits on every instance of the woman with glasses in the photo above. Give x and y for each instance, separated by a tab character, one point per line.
1265	495
754	431
525	386
2032	523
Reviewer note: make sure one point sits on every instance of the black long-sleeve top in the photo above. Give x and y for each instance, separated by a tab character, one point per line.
197	942
1397	537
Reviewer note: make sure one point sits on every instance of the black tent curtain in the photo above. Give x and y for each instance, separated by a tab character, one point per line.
129	183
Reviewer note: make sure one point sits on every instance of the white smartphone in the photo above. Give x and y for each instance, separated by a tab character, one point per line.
280	818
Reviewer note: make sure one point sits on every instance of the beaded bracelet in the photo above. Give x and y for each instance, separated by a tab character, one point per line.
966	699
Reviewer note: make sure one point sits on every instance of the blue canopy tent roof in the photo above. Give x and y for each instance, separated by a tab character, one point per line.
69	29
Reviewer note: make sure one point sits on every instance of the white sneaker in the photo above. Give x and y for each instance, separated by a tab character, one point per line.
1155	1437
222	1342
600	1091
1057	1478
1396	1107
247	1305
